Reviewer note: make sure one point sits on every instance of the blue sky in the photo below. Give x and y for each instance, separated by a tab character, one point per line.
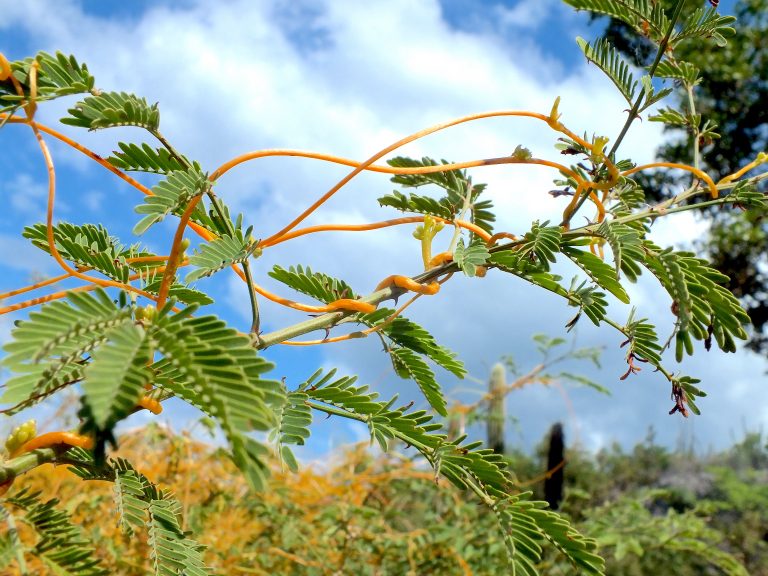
348	78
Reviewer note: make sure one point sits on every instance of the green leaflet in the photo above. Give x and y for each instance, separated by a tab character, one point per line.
92	246
171	196
60	543
408	334
460	192
145	158
171	551
540	245
633	12
642	340
409	365
703	306
58	75
468	258
683	71
705	23
116	375
294	419
523	522
50	345
219	254
110	109
130	500
216	369
626	245
608	59
589	300
601	273
315	284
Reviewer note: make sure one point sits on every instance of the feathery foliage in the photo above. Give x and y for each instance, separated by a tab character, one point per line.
315	284
222	253
171	196
461	193
119	351
110	109
60	543
58	75
145	158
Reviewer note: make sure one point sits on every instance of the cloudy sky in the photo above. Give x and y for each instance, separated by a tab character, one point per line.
348	78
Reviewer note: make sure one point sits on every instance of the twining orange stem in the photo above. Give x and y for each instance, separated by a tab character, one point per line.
173	258
35	286
63	294
408	284
354	335
420	134
341	304
49	223
499	235
695	171
205	234
367	331
373	226
582	185
762	158
52	439
440	259
342	228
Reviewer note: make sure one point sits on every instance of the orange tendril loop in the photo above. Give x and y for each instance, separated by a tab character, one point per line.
440	259
151	404
53	439
695	171
358	334
498	236
408	284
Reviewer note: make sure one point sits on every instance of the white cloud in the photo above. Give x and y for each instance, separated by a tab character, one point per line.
237	76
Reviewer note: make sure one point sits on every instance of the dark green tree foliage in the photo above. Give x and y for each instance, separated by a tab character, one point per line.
731	95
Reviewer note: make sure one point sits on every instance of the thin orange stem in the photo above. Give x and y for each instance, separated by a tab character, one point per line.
227	166
52	439
408	284
762	158
173	258
420	134
49	225
46	298
342	228
695	171
205	234
35	286
499	235
365	227
354	335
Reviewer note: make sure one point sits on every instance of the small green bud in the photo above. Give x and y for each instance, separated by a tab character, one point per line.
21	435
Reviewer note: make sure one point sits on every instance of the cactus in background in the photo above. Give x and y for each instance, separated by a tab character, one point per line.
553	485
496	411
